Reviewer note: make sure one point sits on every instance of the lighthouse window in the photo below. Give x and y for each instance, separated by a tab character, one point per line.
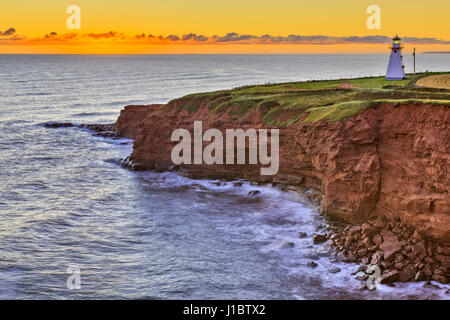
395	51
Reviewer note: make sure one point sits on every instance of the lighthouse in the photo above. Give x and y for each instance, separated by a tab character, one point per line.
396	69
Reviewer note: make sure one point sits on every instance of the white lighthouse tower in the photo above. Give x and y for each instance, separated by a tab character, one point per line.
396	69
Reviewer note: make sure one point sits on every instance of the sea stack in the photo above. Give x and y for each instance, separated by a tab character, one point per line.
396	69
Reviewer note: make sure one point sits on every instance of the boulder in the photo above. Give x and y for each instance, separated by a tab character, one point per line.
440	278
376	258
355	229
58	124
302	235
427	271
398	266
443	250
390	277
419	250
407	274
335	270
319	238
444	261
390	245
377	239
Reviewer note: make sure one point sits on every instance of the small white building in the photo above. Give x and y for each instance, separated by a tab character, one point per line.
396	69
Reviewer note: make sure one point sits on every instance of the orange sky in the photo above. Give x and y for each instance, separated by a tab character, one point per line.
336	20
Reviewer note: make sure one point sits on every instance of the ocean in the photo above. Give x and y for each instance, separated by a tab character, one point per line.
66	203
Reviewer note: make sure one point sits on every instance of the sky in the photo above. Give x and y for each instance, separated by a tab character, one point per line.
214	26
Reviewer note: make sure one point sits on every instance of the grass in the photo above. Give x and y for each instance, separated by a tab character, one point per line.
335	112
285	103
344	110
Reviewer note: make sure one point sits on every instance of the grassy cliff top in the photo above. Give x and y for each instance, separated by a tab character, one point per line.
284	103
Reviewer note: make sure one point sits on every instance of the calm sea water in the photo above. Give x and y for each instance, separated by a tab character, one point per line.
64	200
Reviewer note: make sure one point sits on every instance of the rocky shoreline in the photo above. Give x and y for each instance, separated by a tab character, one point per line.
400	252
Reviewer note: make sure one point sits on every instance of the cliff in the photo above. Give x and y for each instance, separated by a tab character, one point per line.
386	159
381	158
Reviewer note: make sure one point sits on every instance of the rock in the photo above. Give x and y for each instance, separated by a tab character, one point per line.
389	236
428	284
319	238
429	260
364	260
288	245
444	261
419	250
58	124
377	239
416	235
407	273
311	254
354	229
254	192
398	266
427	271
367	242
341	257
419	276
351	257
440	278
312	264
237	184
385	265
443	250
389	277
368	230
380	222
335	270
384	231
302	235
410	256
390	245
348	241
323	252
376	258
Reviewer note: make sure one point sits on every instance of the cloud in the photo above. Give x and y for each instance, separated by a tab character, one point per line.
173	37
235	37
8	32
193	38
106	35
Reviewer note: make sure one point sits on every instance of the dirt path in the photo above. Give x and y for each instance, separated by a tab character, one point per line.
438	81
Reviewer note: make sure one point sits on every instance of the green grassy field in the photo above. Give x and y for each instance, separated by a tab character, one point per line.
333	100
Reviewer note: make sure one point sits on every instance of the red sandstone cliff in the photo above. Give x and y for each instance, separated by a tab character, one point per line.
390	160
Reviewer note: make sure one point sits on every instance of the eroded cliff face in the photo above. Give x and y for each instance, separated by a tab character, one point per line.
390	160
